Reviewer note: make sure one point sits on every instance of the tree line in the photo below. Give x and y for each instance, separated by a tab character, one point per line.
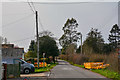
47	45
94	43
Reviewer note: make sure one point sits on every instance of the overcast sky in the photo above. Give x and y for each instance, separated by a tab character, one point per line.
18	20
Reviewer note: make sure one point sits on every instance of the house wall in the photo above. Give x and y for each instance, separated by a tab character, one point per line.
12	53
9	53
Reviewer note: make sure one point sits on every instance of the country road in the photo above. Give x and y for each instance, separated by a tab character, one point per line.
65	70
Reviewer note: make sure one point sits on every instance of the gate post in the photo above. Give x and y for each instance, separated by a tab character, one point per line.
5	71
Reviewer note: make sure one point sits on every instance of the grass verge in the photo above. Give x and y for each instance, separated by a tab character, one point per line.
45	69
105	72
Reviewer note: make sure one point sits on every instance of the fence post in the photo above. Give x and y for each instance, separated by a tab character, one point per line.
5	71
19	68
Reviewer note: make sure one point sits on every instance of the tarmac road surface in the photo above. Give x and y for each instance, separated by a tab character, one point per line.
64	71
68	71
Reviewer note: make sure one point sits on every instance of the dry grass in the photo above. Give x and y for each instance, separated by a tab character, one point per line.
80	59
112	59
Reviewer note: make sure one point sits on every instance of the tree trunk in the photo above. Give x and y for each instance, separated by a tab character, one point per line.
48	60
54	59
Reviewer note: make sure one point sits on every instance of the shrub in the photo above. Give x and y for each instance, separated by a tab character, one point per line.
96	58
111	59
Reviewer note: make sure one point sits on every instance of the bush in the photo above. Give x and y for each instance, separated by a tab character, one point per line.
111	59
75	58
97	58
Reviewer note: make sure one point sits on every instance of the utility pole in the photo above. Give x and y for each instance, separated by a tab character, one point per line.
37	38
43	60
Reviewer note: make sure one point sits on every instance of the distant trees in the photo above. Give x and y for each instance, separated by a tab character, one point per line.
78	49
114	36
46	33
32	51
107	48
70	35
47	45
32	46
71	49
30	54
4	40
94	42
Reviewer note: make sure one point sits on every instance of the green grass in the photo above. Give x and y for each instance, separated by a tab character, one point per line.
82	66
45	69
105	72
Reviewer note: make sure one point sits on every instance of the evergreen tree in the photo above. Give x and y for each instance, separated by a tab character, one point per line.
114	36
32	46
94	41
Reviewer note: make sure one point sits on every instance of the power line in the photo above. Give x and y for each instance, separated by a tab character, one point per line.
41	24
63	2
14	14
33	5
23	39
39	16
6	25
33	9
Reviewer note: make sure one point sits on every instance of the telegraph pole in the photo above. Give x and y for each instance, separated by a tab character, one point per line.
37	38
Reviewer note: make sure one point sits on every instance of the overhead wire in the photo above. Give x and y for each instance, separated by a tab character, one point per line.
6	25
41	25
32	9
62	2
23	39
33	6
